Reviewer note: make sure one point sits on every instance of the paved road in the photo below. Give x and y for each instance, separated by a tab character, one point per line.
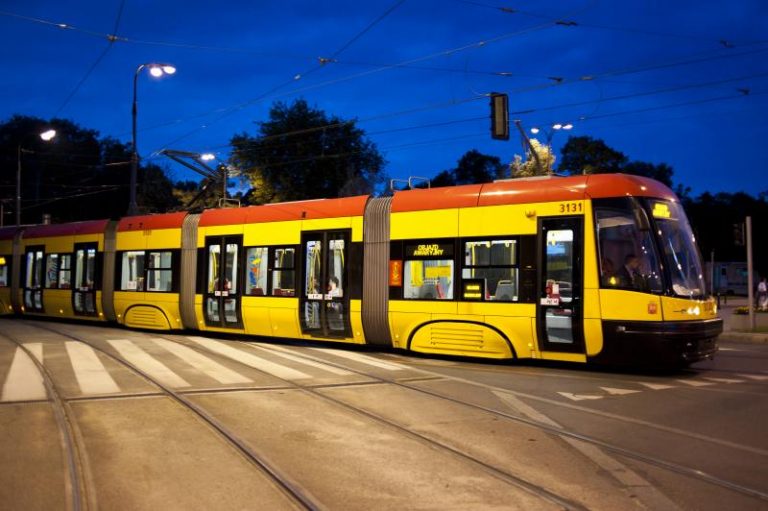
130	420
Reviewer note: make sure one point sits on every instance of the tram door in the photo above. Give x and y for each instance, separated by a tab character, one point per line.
33	280
221	301
560	308
324	304
84	286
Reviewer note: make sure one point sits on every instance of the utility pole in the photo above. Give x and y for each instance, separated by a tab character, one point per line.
750	279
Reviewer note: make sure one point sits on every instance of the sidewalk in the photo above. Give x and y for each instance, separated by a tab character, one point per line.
729	335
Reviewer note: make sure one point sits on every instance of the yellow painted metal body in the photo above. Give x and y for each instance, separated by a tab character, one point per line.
58	302
148	310
485	329
279	316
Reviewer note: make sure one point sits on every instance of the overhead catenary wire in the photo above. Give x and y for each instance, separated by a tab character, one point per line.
111	41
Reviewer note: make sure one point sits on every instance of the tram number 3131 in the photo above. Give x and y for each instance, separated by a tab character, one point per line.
571	207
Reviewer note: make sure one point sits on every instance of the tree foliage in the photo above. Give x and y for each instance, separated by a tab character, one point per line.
75	176
303	153
538	161
472	167
586	155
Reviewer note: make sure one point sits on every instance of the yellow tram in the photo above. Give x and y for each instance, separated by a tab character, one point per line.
600	268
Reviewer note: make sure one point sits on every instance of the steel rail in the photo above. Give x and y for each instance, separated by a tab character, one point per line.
63	421
290	488
627	453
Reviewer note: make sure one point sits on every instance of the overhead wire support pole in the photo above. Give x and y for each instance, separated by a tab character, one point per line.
527	141
750	277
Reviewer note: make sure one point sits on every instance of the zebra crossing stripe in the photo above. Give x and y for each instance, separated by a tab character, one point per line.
24	382
363	359
218	372
92	376
285	353
249	359
147	363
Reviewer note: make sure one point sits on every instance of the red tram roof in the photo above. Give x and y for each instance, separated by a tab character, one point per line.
280	212
531	190
142	222
70	229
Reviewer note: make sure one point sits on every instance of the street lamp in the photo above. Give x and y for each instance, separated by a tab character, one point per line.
157	70
46	136
550	133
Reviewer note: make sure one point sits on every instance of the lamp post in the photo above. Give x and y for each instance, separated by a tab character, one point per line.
157	70
550	133
46	136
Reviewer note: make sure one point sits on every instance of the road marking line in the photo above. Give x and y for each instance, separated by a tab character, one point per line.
620	392
756	377
579	397
656	386
259	363
285	353
147	363
650	496
218	372
37	350
363	359
695	383
24	382
92	376
724	380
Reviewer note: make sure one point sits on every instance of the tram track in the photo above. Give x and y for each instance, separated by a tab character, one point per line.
75	479
290	488
690	472
180	396
410	385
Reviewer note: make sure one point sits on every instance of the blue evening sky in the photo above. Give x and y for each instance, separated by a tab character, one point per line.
682	82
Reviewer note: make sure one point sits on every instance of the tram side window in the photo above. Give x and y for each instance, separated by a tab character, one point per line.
34	269
85	269
65	271
4	271
284	272
132	274
495	262
52	271
428	271
159	276
257	264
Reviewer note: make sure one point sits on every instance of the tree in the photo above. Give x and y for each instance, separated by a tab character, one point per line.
473	167
75	176
585	155
302	153
661	172
538	161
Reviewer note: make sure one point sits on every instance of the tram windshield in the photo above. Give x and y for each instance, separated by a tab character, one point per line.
628	258
678	246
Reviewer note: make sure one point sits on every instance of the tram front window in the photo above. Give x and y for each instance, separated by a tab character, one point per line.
628	258
678	246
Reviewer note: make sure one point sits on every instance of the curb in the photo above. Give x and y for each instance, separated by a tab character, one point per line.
744	337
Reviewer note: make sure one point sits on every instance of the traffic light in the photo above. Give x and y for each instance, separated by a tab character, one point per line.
738	234
499	116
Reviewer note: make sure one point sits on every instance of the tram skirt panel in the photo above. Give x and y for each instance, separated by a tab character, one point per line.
461	339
